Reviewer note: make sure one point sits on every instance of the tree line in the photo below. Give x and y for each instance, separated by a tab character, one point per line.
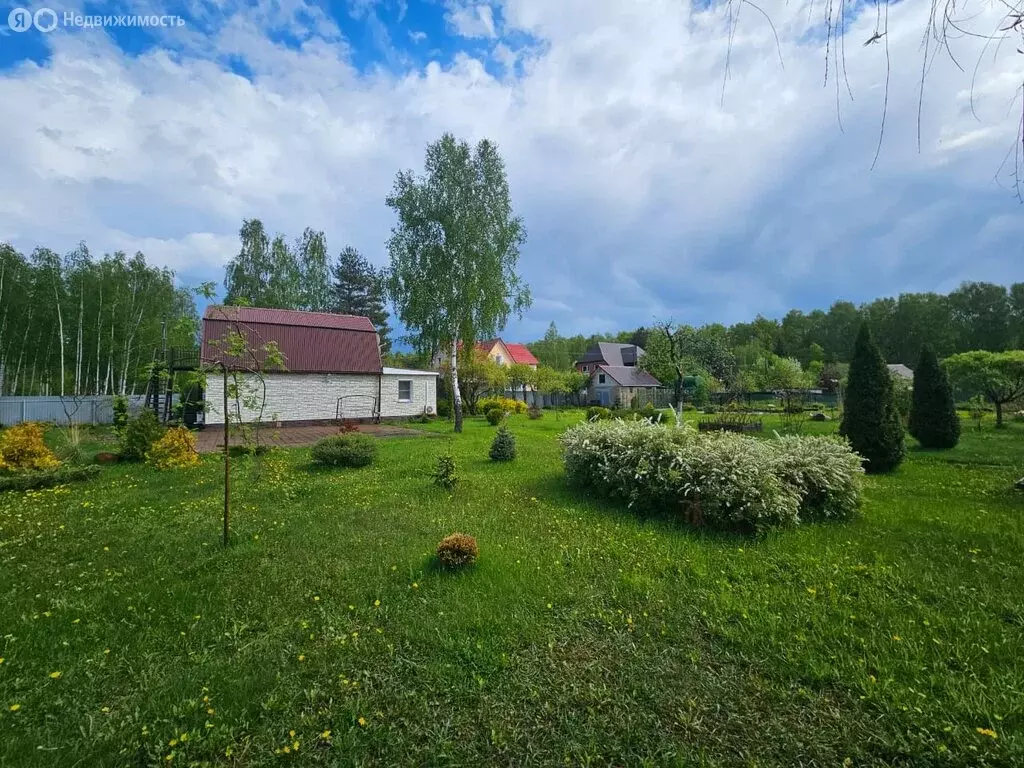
80	325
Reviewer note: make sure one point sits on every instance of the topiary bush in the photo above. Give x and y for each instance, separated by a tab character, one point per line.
933	418
597	412
871	420
495	416
457	550
175	450
445	472
139	435
533	413
22	449
352	449
503	447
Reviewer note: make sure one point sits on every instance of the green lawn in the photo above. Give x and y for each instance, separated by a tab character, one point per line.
584	636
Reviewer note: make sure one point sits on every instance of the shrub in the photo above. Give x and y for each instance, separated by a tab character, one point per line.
175	450
825	472
495	416
444	408
534	413
933	419
871	420
597	412
457	550
139	435
723	480
503	447
120	406
352	449
445	472
47	478
507	404
22	449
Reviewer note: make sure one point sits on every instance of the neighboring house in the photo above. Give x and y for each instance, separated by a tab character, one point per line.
622	385
899	370
607	353
333	368
507	354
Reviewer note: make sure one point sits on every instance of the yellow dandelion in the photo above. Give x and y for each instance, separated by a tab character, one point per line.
302	657
1	659
287	750
987	732
326	735
104	709
56	675
812	591
14	707
376	603
172	743
362	721
295	746
415	585
106	651
210	711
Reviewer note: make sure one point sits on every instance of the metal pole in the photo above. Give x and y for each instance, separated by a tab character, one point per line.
227	465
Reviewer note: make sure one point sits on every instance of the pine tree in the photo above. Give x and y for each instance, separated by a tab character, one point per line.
358	289
871	421
933	419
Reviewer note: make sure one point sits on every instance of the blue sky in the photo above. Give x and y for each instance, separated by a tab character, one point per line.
649	191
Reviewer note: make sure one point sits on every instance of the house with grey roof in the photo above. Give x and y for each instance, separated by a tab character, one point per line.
615	378
900	371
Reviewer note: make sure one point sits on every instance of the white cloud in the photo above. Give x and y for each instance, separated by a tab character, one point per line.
470	19
417	36
645	193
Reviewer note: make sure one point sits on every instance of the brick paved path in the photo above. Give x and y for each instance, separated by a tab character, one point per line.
211	438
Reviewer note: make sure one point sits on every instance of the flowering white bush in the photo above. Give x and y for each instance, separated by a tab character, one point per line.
723	480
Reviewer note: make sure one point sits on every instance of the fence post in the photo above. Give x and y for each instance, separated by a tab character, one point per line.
24	405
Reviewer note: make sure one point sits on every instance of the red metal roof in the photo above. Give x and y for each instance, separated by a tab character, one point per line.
520	354
310	342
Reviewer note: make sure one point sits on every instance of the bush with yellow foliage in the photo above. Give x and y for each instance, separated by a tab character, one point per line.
22	449
175	450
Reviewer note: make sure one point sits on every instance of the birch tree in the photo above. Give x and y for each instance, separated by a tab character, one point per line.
454	251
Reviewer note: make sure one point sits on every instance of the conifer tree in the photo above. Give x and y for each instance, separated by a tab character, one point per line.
933	419
358	289
871	421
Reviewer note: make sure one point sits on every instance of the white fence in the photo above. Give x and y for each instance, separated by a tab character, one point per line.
92	409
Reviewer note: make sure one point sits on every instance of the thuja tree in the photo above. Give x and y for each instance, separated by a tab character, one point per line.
933	419
454	251
871	421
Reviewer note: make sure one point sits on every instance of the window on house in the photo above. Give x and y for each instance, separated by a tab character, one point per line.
586	369
405	391
600	379
498	358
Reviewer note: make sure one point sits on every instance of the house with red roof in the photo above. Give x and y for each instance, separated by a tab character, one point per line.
506	354
332	368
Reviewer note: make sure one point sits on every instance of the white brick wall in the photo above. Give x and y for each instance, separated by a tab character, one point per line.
309	396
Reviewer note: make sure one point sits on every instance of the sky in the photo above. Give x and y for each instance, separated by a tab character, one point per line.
697	162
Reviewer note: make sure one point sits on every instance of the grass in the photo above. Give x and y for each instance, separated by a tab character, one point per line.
583	636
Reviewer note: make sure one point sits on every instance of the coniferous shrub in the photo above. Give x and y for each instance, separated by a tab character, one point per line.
871	421
445	472
352	449
933	418
120	407
139	435
503	447
457	550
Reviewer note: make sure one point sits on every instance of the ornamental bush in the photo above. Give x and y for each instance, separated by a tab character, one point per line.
871	421
352	449
724	480
495	416
503	447
445	473
598	412
933	418
457	550
139	435
507	404
533	413
175	450
22	449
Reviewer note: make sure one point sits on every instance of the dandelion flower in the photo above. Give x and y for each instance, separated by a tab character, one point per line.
56	675
326	735
302	657
14	707
362	721
987	732
295	746
376	603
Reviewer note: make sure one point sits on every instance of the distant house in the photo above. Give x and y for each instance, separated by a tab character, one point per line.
507	354
607	353
332	367
900	371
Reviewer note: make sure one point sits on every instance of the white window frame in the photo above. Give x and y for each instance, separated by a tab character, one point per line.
404	399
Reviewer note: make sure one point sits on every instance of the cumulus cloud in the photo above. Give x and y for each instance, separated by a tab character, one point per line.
651	184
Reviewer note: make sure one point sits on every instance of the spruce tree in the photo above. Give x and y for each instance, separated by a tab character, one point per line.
933	419
871	421
358	289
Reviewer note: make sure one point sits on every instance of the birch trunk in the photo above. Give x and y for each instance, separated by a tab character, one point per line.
60	334
456	395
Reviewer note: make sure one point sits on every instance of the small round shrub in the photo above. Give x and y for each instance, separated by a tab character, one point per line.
139	435
503	448
458	550
352	449
22	449
175	450
533	413
598	412
445	473
495	416
444	408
